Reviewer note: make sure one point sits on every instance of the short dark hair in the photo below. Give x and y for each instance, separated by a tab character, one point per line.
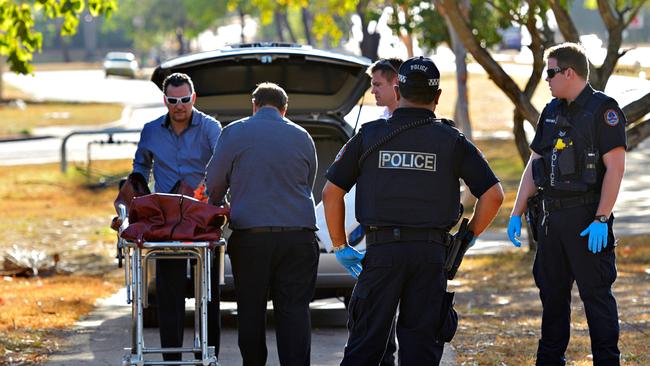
387	66
177	79
270	94
571	55
415	94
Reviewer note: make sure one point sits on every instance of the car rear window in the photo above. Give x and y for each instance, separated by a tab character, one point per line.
296	75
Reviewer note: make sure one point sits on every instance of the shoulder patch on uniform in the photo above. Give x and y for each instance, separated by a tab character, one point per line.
611	117
341	152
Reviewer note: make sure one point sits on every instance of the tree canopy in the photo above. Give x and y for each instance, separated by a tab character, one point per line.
18	38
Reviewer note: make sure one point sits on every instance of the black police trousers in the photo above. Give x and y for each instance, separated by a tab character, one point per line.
408	274
562	257
281	265
172	286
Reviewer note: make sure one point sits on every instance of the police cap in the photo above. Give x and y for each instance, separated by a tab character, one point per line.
429	75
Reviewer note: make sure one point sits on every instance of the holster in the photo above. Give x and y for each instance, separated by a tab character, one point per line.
534	212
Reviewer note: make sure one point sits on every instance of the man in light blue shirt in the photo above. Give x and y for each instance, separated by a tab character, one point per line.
177	146
269	165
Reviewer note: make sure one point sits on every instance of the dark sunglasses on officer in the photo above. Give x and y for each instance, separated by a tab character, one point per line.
176	100
551	72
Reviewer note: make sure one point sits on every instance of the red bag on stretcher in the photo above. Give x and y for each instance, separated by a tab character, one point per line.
160	217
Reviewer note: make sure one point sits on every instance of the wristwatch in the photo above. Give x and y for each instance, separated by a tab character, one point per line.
336	248
602	218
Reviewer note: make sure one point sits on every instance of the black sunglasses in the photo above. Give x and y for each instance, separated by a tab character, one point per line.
550	73
176	100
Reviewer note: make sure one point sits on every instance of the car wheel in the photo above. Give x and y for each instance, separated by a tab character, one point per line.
150	316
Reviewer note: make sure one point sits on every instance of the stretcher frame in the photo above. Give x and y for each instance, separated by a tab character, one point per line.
137	258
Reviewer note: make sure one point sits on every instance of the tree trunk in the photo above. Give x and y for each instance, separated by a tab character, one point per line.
242	22
408	42
369	45
180	39
65	49
278	25
306	24
406	36
285	21
2	70
461	111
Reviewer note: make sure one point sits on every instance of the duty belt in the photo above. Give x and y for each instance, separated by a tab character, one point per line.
377	235
272	229
554	204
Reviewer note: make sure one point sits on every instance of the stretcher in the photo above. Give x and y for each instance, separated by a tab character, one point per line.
137	257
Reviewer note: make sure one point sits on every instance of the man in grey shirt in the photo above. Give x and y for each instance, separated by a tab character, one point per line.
269	165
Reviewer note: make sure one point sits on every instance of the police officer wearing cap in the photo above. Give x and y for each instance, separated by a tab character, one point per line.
407	171
576	165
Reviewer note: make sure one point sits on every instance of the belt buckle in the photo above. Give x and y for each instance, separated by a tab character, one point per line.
396	234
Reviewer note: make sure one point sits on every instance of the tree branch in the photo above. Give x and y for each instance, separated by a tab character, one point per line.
634	12
637	133
607	13
505	14
493	69
564	22
637	109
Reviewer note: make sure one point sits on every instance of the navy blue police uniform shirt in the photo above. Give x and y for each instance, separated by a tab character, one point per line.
412	180
595	120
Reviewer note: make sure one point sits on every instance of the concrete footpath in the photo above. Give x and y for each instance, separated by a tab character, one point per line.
100	338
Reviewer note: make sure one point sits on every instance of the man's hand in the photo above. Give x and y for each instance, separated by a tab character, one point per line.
514	230
597	236
350	258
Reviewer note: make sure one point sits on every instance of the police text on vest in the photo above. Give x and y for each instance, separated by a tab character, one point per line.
407	160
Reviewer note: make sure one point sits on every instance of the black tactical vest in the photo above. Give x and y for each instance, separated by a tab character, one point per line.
410	180
570	159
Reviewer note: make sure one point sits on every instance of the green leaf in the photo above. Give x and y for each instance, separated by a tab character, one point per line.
18	38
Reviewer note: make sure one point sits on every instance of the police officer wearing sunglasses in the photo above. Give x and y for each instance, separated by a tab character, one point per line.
571	183
177	146
407	172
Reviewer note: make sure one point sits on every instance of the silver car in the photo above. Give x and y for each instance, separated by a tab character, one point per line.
322	86
121	64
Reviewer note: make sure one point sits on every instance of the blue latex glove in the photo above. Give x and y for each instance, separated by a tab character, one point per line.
471	243
514	230
350	258
597	236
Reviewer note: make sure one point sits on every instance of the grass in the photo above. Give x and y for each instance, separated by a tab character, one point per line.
500	309
60	215
64	216
22	121
33	311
